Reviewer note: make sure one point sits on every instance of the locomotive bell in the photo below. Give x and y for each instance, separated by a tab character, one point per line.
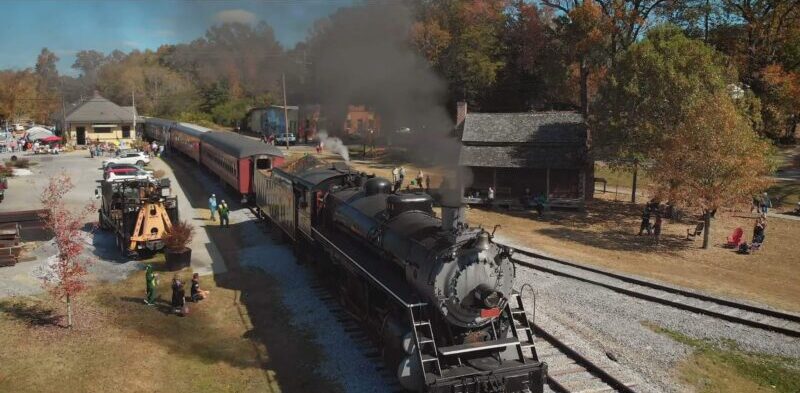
482	242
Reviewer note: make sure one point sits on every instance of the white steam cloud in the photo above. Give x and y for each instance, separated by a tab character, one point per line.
335	145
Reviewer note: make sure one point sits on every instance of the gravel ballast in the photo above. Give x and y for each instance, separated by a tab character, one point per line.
601	322
344	360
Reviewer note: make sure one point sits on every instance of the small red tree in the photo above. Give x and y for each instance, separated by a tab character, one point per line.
63	274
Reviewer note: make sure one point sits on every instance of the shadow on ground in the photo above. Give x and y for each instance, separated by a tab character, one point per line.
31	314
288	357
606	225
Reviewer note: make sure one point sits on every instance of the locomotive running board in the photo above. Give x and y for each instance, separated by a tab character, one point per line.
366	266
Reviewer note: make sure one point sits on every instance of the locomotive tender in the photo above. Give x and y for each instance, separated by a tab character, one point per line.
436	294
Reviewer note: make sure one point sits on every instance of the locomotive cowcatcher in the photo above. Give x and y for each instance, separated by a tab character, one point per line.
435	294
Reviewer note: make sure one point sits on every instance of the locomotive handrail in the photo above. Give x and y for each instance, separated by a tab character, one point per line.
367	273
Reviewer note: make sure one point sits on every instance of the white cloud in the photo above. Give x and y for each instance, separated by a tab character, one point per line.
235	16
132	44
164	33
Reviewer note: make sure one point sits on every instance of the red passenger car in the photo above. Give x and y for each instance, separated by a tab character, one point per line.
185	138
235	158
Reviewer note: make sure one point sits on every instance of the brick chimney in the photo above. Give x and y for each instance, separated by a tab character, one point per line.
461	113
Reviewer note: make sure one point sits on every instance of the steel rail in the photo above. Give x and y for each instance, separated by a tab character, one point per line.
792	318
589	366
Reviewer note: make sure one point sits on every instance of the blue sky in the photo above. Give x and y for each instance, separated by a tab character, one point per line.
68	26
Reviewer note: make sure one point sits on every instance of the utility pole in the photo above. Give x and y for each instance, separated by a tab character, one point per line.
285	112
133	110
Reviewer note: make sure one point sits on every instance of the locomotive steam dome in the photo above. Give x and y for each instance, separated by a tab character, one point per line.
377	185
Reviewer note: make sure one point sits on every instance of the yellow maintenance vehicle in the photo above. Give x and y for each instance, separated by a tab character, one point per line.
139	211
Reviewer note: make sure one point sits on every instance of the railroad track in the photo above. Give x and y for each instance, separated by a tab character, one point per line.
728	310
570	372
353	328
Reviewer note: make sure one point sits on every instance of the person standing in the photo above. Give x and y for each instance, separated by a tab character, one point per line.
212	206
223	214
160	150
766	204
150	285
657	226
178	296
428	183
490	196
420	179
396	179
645	225
402	177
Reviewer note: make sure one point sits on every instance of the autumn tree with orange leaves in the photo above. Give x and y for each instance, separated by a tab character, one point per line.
63	275
711	159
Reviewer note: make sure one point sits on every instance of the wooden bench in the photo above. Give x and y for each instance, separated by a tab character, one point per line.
601	180
696	231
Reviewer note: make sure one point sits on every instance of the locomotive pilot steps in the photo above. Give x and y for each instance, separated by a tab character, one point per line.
437	296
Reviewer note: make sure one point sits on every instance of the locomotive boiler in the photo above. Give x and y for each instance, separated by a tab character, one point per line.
456	268
437	294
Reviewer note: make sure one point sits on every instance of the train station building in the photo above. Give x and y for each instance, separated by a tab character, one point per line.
98	120
544	152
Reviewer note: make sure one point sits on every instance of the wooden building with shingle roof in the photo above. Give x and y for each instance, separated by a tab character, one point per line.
544	152
99	120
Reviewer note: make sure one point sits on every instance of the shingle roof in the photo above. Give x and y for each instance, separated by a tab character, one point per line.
523	156
537	128
98	109
239	145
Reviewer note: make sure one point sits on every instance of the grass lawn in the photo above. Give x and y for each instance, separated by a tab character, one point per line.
236	341
725	368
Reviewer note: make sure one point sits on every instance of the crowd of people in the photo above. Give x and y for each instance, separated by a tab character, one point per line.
13	145
178	301
420	182
654	212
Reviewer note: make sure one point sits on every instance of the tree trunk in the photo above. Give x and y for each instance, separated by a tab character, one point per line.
707	229
633	186
584	87
705	22
69	312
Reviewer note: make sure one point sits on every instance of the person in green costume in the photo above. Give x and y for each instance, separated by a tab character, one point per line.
150	281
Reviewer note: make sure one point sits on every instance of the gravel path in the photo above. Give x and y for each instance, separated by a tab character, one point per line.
601	321
345	361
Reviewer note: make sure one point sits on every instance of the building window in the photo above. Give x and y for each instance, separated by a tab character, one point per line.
126	131
102	130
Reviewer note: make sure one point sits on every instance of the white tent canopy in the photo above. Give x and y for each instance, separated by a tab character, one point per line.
36	133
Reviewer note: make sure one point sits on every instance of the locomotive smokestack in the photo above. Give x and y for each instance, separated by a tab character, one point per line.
453	213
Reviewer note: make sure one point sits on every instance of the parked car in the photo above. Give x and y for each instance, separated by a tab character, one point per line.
280	139
122	169
129	175
122	152
137	158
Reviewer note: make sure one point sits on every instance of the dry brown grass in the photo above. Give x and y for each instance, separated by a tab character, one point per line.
606	236
236	341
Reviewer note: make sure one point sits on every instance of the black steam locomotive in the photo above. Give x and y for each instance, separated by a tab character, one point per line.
436	294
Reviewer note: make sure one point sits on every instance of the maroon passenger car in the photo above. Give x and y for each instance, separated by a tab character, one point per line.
235	158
